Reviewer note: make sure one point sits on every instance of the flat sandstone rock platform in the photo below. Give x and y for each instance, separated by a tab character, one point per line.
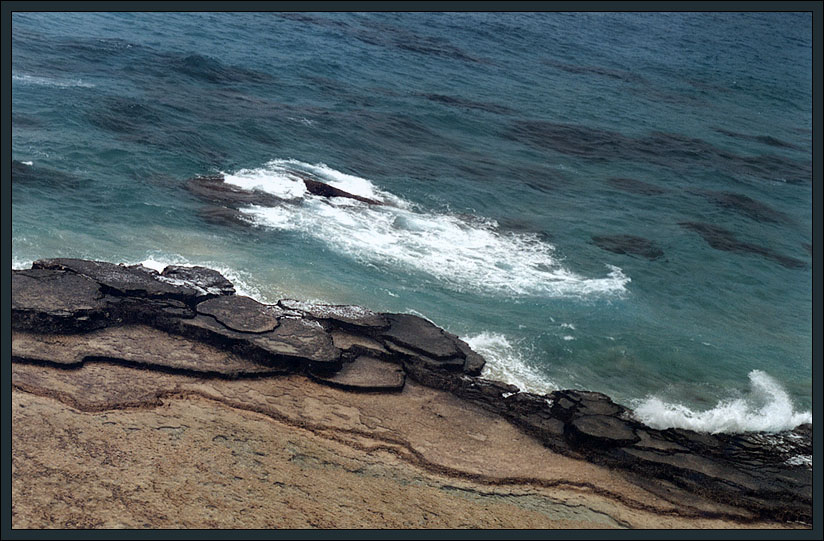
147	400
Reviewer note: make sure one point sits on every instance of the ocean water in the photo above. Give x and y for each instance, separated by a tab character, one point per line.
519	155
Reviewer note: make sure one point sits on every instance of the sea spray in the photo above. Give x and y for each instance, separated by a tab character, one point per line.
768	408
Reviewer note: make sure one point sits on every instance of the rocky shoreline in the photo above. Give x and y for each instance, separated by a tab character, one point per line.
188	321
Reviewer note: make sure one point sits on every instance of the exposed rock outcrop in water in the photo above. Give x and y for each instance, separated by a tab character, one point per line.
67	313
214	189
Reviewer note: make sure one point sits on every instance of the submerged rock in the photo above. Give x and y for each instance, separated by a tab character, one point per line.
635	186
630	245
722	239
745	205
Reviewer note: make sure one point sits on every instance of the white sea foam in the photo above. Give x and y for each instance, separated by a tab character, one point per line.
49	81
509	363
768	408
276	181
463	253
20	264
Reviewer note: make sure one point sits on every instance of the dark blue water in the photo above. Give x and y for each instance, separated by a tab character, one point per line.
617	202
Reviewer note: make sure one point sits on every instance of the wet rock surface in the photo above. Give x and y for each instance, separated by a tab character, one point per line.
67	313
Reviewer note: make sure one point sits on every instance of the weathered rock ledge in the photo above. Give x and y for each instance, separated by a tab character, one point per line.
188	321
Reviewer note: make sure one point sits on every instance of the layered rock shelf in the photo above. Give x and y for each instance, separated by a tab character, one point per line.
188	322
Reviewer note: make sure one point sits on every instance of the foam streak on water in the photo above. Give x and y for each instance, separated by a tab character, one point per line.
462	253
50	81
768	408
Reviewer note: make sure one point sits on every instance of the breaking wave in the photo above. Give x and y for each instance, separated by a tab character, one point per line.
508	363
767	408
462	252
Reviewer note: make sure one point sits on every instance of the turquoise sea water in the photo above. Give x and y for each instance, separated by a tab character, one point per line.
510	147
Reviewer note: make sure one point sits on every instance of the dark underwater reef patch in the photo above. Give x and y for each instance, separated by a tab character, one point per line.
635	186
124	115
723	239
210	70
663	148
621	75
153	124
24	174
468	104
399	127
745	205
391	36
764	139
629	245
21	120
309	18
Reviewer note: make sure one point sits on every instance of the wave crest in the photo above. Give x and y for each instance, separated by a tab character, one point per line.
768	408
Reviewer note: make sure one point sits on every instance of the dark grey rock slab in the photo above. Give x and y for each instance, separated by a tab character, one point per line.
453	364
600	431
293	343
240	313
366	374
299	338
45	300
421	335
358	345
120	279
210	281
701	465
474	363
327	190
348	315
